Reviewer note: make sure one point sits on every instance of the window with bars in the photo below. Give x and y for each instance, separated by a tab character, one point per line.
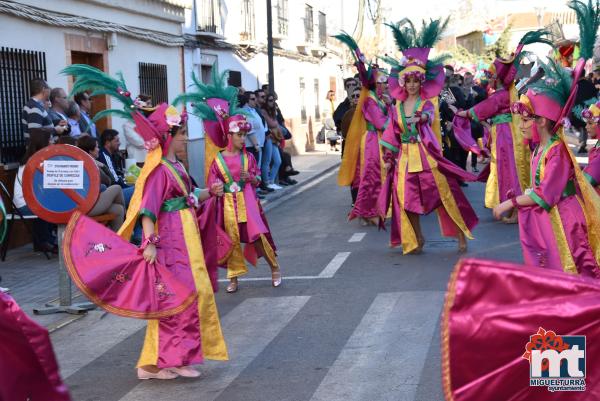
153	82
208	16
308	23
282	17
303	118
17	68
317	101
248	31
322	29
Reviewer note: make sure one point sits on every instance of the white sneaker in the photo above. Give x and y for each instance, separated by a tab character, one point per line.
274	186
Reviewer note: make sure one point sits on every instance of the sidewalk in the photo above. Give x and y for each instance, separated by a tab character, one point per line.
33	280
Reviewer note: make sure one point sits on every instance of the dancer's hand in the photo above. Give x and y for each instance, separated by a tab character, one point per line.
244	175
216	189
387	166
502	208
150	253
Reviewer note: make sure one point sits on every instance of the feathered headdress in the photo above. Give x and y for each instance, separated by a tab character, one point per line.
588	19
506	69
588	111
216	103
415	47
368	73
154	129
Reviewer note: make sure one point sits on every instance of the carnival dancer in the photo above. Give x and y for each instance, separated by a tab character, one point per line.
239	212
363	149
559	217
166	280
510	155
591	116
497	314
419	179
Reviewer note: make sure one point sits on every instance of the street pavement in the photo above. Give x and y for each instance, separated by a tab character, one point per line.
353	320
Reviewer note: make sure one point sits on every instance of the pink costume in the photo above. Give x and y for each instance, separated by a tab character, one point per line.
592	170
238	215
375	112
239	212
562	230
176	293
28	368
491	324
422	180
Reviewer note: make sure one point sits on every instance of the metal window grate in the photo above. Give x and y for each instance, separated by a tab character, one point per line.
322	29
153	82
208	16
282	17
308	23
303	118
17	68
248	30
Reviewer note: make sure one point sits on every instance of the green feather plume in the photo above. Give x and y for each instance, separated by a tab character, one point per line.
538	36
556	82
218	88
348	41
406	35
588	19
91	79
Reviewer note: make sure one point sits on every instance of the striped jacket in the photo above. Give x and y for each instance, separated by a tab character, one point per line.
34	115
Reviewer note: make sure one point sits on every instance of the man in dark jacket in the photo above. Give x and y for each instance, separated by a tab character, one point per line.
349	85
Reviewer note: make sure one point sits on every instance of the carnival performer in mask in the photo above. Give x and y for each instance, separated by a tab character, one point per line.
559	216
362	152
239	212
420	180
166	281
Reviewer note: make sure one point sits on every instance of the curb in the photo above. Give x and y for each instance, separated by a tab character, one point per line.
278	198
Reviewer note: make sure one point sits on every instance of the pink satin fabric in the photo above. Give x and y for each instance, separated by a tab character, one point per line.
216	244
538	238
492	308
256	220
421	194
508	179
28	368
370	180
461	127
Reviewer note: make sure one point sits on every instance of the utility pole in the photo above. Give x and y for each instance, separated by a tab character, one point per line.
270	46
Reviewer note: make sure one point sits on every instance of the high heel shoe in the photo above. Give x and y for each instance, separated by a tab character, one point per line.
232	287
276	277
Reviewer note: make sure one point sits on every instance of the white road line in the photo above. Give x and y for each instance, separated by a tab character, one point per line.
72	343
384	357
357	237
333	266
224	280
248	330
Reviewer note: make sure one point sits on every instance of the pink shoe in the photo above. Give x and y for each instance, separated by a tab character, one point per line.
162	374
185	371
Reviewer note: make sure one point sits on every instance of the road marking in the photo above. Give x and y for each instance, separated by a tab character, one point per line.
328	272
333	266
384	357
357	237
248	330
72	343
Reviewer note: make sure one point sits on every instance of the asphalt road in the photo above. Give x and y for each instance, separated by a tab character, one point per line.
353	320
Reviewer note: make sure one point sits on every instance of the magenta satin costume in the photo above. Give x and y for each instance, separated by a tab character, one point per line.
239	213
376	115
492	308
556	238
592	170
503	168
28	368
434	187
